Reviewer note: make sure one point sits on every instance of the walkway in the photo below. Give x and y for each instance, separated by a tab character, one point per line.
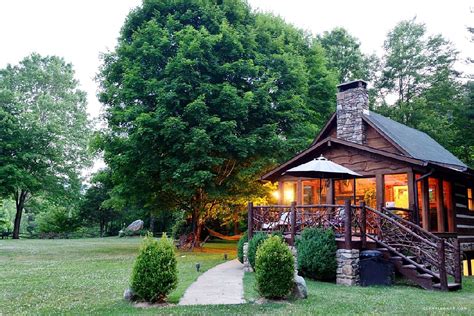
219	285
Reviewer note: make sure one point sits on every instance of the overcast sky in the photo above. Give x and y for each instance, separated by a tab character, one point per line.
80	30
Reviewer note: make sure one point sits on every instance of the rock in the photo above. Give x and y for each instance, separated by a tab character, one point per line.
128	295
300	290
135	226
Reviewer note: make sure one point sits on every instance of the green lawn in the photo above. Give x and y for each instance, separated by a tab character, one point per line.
88	276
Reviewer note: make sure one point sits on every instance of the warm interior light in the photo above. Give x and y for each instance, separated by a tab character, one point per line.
289	195
276	194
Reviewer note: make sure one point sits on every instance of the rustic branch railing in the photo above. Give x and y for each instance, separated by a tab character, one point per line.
431	254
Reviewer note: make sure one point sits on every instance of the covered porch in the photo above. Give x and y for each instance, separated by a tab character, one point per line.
424	199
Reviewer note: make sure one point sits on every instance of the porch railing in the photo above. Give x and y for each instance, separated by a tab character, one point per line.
431	254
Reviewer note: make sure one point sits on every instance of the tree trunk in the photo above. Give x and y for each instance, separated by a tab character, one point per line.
101	228
20	198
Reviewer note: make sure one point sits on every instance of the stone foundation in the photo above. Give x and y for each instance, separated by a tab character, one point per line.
247	267
347	267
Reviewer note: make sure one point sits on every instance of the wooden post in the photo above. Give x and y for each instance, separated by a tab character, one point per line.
457	262
411	197
379	190
440	206
443	277
363	225
450	208
250	220
299	192
330	192
293	223
281	193
347	224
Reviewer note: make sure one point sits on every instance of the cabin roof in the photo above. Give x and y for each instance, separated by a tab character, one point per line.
417	144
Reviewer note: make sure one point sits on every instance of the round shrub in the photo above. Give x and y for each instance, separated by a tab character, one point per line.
155	272
240	246
317	254
274	271
256	240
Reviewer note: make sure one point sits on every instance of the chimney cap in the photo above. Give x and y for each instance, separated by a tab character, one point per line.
352	85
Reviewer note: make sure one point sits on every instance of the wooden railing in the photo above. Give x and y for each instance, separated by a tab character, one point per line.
429	253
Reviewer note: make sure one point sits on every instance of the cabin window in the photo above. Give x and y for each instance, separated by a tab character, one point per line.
365	191
470	200
289	192
396	190
311	192
343	190
433	200
448	207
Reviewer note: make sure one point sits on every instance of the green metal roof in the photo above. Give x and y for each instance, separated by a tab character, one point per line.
416	143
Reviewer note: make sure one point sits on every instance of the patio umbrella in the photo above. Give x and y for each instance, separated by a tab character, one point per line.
323	169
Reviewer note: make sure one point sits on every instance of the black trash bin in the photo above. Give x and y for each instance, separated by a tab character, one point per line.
374	269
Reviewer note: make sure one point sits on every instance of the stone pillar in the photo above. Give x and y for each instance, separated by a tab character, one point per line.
247	267
347	266
352	103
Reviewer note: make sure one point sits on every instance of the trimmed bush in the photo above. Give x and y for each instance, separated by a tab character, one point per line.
317	254
256	240
274	271
155	272
240	246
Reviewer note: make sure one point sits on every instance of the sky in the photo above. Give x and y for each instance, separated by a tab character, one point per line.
81	30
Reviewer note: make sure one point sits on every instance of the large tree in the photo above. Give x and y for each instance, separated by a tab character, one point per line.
345	56
44	130
419	85
201	97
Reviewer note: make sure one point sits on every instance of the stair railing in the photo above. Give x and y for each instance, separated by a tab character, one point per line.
429	253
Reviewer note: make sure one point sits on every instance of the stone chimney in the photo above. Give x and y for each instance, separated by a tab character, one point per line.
352	102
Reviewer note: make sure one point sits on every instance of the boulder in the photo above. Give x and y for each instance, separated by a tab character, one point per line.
135	226
300	290
128	295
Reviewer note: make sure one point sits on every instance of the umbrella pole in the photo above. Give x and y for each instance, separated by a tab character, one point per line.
320	192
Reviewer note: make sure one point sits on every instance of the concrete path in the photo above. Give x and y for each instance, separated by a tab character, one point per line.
219	285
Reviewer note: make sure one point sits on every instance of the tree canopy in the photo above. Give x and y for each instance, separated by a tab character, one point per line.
203	96
44	130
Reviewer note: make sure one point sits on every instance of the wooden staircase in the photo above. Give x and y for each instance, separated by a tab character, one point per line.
418	255
415	274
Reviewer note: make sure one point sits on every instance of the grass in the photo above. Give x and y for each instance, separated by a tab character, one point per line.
401	299
88	276
83	275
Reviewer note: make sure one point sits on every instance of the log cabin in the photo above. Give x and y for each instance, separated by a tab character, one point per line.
404	170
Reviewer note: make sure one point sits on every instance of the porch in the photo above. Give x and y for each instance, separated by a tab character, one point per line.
424	199
418	254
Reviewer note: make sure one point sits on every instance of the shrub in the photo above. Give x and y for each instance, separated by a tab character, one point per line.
274	271
240	246
317	254
155	273
256	240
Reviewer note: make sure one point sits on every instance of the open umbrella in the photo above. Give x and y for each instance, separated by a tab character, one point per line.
323	169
